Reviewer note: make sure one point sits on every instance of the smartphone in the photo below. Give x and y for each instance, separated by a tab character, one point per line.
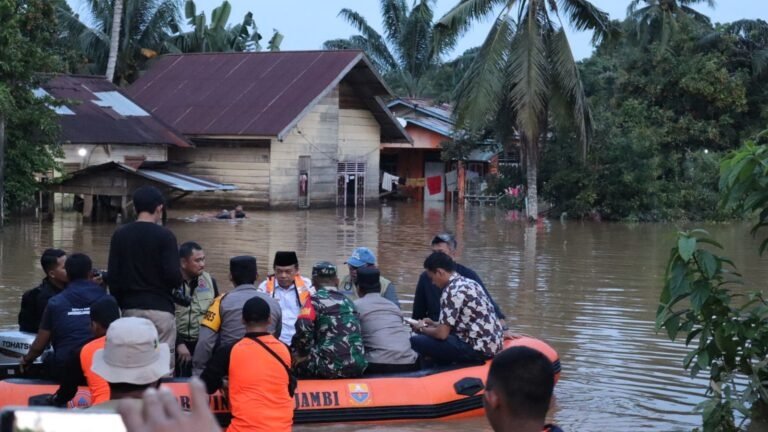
47	419
411	321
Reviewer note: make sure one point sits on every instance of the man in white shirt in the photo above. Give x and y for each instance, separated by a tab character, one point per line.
290	289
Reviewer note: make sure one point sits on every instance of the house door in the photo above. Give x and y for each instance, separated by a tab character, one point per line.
434	181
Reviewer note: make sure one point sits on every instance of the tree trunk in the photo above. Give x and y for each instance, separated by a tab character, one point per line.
2	170
114	42
532	196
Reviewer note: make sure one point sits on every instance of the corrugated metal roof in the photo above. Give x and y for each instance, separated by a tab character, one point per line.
157	172
435	125
102	114
255	94
481	155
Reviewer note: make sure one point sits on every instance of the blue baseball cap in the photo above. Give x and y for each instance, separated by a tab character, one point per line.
361	256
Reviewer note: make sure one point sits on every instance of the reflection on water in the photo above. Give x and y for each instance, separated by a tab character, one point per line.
589	289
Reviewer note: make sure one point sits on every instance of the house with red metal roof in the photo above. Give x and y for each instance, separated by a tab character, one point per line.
288	129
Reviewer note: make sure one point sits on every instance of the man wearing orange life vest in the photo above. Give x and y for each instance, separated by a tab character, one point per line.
259	397
78	370
290	289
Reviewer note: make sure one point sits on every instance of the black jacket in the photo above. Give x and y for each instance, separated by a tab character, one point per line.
33	303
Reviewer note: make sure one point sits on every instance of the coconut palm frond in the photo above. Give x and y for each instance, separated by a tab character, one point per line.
460	17
394	14
414	46
528	69
565	74
376	43
477	95
583	15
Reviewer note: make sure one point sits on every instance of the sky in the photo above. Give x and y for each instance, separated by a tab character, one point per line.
306	24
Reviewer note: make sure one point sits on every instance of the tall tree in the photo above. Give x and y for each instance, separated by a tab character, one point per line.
145	26
28	47
525	72
657	20
114	40
218	36
410	49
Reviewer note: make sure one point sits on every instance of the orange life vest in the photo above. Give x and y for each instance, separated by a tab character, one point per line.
97	385
302	290
259	397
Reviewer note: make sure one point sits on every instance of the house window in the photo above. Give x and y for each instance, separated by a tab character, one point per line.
350	178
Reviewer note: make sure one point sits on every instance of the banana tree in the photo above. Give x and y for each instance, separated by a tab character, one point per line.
525	72
216	36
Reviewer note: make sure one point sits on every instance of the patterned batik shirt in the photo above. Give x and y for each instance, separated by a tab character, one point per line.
328	334
466	308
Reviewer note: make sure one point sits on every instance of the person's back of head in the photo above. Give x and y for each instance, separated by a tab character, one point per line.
78	267
519	389
147	199
243	270
368	281
104	312
133	359
325	274
256	312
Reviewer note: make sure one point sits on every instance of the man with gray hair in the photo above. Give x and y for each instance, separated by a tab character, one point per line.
426	301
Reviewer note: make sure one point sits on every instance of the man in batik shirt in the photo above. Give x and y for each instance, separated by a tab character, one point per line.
468	329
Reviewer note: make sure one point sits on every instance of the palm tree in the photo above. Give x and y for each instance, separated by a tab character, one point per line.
525	71
145	25
409	50
658	18
216	36
114	40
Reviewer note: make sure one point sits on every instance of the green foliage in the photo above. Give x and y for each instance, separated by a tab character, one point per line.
727	330
663	118
744	184
28	44
409	52
216	36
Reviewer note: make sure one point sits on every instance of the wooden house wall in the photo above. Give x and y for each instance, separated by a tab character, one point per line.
317	136
359	140
245	165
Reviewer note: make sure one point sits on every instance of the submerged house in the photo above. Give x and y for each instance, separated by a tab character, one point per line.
288	129
428	177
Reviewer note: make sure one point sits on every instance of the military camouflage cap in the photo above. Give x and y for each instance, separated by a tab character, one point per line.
324	268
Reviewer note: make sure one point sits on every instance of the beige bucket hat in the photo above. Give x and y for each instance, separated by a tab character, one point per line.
132	353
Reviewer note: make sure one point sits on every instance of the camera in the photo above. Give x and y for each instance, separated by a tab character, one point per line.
180	298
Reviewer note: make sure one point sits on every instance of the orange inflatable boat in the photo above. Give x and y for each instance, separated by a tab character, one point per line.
448	392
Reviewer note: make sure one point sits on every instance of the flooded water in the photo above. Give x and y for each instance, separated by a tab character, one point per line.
589	289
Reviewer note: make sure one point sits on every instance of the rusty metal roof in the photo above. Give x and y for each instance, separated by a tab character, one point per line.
97	112
157	172
262	94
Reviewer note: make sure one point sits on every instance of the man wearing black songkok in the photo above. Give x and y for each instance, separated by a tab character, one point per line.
289	288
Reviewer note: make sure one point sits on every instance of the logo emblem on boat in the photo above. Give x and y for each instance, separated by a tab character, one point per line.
82	399
359	394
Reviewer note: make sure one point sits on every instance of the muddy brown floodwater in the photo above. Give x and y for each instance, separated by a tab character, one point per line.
589	289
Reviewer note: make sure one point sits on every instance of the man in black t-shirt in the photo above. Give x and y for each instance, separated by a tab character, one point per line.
144	268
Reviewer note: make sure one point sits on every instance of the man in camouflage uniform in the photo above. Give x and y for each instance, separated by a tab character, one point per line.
328	342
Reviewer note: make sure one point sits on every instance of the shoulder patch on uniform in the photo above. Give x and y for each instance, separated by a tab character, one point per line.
212	317
307	311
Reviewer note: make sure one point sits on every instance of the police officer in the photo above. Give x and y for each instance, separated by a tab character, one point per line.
328	342
222	324
195	296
